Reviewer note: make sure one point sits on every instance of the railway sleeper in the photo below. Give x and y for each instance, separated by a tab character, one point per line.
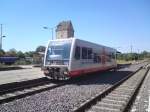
103	109
132	83
109	105
117	98
125	92
125	89
120	94
111	101
127	86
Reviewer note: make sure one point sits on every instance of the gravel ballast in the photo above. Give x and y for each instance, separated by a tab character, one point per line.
142	103
65	98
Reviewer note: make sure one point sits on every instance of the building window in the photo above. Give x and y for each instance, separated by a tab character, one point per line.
77	52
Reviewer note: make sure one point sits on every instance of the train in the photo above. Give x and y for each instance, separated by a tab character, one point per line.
8	60
71	57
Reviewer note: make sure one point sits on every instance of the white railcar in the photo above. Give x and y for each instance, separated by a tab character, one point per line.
65	58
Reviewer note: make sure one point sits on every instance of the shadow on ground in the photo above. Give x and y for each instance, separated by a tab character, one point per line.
100	78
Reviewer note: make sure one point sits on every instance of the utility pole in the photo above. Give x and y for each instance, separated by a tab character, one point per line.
138	54
1	37
131	48
52	33
131	51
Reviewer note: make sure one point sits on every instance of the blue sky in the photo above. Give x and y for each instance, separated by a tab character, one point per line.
114	23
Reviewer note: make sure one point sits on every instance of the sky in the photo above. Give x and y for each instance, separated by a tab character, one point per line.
115	23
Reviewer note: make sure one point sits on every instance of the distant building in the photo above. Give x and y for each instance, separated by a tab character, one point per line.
64	30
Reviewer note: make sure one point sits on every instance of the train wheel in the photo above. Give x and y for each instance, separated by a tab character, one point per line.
115	69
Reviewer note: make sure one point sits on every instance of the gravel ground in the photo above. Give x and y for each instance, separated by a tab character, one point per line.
65	98
142	100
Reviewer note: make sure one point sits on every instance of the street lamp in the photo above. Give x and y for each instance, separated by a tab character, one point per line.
2	36
45	27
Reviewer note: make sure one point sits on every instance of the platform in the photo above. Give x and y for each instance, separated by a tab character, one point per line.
27	73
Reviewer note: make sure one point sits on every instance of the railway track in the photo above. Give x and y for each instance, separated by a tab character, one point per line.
12	91
117	98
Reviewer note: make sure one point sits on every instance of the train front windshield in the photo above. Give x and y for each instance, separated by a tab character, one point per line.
58	53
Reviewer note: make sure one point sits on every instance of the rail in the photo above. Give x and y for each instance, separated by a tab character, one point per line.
12	91
92	103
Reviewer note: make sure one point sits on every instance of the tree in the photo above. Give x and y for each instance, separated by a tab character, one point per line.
133	56
145	54
40	49
20	54
2	52
11	52
29	54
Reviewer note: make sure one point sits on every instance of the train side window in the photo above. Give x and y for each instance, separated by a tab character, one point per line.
89	53
77	52
95	58
108	57
84	53
113	55
98	59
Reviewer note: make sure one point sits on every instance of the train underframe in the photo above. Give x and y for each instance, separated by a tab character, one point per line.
62	73
56	73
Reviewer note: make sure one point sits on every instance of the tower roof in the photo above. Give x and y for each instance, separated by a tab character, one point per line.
64	25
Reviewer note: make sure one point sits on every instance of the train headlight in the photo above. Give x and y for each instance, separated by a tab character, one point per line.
65	72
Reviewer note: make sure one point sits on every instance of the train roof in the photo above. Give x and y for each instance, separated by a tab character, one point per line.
76	39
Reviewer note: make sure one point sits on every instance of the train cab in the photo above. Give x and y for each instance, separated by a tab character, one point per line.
57	57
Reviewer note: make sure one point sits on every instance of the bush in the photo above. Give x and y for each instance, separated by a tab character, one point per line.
22	62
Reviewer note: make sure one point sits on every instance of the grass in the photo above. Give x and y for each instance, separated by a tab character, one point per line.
7	66
124	62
